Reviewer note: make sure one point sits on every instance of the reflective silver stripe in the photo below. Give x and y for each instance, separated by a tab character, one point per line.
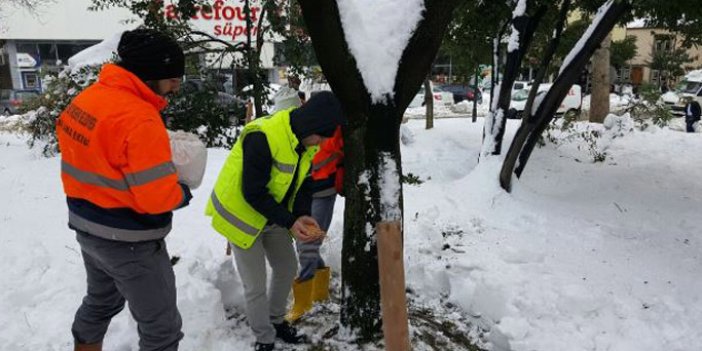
325	162
92	178
132	179
117	234
231	218
284	167
149	175
325	192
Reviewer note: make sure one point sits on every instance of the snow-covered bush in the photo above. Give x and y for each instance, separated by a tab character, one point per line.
206	115
199	112
41	113
16	124
583	134
647	110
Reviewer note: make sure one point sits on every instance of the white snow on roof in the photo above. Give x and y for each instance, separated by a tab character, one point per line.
377	32
97	54
637	23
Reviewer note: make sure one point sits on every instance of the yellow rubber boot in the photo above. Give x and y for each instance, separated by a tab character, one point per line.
302	299
321	284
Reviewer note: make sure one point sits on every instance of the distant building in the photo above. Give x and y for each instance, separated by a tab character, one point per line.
648	41
32	44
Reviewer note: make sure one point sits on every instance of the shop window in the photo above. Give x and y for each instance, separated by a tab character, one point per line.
28	48
30	80
47	54
65	51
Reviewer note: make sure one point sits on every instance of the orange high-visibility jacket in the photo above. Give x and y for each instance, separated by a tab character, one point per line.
329	159
115	154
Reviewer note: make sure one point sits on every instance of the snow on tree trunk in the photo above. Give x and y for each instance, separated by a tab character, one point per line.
429	102
522	32
544	109
375	69
599	104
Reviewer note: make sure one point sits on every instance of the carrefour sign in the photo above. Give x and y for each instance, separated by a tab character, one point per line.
223	19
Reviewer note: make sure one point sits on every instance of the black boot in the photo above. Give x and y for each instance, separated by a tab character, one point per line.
264	347
286	332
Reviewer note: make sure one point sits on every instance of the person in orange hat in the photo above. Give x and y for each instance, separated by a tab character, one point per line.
121	187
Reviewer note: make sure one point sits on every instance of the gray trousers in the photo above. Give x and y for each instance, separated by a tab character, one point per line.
264	307
308	253
140	273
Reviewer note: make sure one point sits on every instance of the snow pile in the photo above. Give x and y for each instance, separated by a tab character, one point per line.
440	111
466	107
19	124
619	124
679	125
97	54
616	102
377	33
14	123
581	256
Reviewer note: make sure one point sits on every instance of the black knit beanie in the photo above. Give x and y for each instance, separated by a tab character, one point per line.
151	55
320	115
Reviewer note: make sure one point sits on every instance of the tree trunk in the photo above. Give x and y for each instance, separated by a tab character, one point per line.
252	59
429	102
599	104
511	158
496	121
372	148
533	126
475	94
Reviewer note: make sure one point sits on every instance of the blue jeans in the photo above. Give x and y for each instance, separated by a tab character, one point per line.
308	253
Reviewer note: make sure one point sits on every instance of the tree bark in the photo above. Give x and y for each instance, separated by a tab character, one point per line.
497	120
475	94
429	102
372	147
252	59
531	128
599	104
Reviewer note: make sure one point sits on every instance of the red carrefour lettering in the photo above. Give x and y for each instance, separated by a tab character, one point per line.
171	12
238	30
217	8
206	13
228	12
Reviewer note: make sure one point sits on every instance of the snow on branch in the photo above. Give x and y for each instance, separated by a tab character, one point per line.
377	33
519	11
586	36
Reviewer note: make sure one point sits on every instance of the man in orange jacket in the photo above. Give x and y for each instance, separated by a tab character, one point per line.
312	284
121	189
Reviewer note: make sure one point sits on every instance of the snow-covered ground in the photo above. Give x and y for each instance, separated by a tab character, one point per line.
616	102
582	256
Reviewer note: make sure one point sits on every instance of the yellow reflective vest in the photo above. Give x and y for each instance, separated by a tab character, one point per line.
232	216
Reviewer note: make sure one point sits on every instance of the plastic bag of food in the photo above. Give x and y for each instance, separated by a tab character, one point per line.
189	157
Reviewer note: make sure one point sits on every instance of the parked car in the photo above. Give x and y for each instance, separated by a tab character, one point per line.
11	100
689	88
520	85
571	103
463	92
441	97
